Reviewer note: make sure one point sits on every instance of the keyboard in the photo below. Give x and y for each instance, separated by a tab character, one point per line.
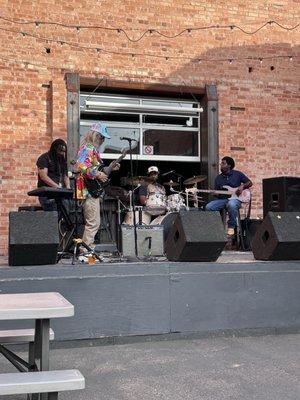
52	193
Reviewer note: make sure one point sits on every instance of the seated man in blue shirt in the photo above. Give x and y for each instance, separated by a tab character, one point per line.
227	179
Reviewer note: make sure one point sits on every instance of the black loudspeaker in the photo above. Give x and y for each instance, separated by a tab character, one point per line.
196	236
33	238
278	237
281	194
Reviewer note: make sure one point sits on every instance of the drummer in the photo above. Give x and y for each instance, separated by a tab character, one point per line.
152	188
150	199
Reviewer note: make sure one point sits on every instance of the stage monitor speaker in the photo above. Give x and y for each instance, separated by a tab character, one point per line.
281	194
278	237
33	238
149	240
196	236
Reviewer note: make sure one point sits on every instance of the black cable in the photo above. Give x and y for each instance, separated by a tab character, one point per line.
133	54
151	31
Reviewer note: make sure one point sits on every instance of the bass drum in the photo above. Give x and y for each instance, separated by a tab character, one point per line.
167	221
128	220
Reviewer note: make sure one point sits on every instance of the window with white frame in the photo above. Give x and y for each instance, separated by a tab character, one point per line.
163	129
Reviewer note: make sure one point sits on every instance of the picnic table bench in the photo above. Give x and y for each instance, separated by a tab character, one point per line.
51	382
38	381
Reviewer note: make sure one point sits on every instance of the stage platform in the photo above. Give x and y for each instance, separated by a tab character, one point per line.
118	298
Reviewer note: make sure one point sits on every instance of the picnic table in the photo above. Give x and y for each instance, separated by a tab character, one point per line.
40	307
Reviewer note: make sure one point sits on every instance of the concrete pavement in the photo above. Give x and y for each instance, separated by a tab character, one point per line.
220	368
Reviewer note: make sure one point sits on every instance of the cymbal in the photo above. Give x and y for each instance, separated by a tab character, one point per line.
171	183
139	180
195	179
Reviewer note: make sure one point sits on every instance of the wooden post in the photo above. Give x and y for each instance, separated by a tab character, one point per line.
73	114
210	135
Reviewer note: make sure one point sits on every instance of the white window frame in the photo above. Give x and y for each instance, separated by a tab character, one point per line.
140	109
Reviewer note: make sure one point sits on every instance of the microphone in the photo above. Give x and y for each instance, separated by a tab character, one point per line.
168	173
127	138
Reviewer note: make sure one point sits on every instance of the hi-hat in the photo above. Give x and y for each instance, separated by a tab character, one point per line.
171	183
139	180
194	179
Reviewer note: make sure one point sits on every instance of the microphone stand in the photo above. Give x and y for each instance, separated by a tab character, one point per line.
132	197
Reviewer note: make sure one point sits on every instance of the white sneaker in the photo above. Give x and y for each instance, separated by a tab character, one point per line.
83	259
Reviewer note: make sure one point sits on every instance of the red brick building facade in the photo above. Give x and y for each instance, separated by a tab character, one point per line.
256	76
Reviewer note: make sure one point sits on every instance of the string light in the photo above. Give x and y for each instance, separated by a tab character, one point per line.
25	65
153	55
150	31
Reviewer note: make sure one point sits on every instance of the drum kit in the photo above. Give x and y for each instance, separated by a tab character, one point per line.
159	205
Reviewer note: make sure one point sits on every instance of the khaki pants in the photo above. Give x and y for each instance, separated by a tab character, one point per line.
91	211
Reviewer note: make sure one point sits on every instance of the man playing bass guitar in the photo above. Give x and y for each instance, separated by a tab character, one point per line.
92	174
235	179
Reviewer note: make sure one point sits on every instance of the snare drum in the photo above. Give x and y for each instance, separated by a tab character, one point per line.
175	202
156	204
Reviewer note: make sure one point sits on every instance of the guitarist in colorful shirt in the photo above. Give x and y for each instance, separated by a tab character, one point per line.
90	168
234	179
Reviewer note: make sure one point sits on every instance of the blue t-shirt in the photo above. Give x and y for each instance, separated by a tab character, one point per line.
234	179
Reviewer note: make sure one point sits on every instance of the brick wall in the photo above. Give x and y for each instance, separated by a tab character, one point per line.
259	108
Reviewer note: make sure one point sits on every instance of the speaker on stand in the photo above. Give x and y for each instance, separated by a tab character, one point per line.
281	194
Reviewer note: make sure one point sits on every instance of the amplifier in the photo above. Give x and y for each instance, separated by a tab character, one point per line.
150	240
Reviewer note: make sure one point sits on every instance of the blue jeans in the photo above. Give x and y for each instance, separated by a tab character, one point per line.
231	205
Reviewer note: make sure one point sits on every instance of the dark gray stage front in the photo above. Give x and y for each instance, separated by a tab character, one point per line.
164	297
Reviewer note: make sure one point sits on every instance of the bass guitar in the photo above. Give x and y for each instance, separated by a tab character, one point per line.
244	197
96	187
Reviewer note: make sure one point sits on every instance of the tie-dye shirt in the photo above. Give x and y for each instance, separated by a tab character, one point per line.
88	162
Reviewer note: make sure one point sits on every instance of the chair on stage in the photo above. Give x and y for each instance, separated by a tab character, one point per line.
243	222
241	237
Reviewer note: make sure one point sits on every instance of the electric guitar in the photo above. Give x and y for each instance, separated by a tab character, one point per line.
96	187
244	197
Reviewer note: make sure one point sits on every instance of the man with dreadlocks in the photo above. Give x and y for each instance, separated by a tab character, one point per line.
52	171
